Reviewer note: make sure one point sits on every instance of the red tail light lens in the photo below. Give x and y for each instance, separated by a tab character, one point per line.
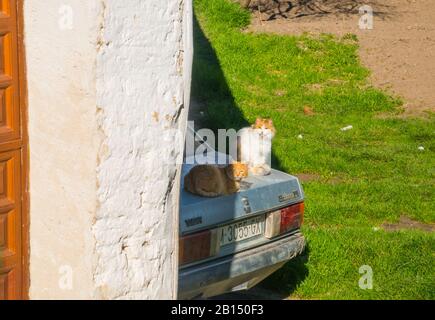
292	217
284	220
198	246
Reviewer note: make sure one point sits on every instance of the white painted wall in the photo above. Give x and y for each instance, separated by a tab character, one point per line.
63	147
103	99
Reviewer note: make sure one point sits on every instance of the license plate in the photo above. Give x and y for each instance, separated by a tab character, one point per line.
242	230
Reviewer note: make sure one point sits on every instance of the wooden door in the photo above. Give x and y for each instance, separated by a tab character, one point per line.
13	227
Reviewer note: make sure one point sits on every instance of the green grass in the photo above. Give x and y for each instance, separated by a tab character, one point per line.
366	176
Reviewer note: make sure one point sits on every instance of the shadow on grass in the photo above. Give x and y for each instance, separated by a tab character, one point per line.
213	106
287	279
210	92
212	103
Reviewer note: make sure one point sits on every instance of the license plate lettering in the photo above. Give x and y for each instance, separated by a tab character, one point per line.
240	231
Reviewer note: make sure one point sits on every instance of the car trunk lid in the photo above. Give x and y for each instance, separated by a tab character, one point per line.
258	195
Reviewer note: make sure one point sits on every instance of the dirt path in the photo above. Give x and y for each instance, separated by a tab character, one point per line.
400	49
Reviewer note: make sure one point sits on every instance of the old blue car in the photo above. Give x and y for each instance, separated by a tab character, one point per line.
233	242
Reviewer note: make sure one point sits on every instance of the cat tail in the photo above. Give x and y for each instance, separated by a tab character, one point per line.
208	194
261	170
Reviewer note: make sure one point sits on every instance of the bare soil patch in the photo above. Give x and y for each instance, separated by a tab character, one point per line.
308	177
407	223
399	50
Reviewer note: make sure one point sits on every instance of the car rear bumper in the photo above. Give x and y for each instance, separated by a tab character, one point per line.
239	271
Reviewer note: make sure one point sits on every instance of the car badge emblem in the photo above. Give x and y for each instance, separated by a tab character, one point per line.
246	205
287	197
193	221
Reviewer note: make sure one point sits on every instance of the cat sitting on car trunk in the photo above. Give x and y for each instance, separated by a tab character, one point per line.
255	146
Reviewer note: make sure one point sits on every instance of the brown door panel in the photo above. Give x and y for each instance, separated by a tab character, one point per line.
12	232
10	225
9	77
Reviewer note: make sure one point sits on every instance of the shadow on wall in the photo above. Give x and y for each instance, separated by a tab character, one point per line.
213	106
291	9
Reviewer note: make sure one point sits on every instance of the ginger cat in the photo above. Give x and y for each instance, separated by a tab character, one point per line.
255	146
213	181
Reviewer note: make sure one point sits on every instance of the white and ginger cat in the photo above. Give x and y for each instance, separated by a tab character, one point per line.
255	146
214	181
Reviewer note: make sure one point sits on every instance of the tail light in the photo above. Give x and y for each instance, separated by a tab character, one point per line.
284	220
198	246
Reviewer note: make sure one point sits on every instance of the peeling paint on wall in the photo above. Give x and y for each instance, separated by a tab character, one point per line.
139	76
